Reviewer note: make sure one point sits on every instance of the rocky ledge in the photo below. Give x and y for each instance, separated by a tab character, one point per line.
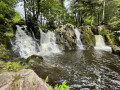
116	50
25	79
65	37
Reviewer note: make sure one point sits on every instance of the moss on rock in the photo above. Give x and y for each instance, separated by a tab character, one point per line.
111	42
65	37
87	36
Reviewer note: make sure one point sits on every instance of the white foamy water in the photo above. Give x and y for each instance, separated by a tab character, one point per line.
100	44
26	46
48	43
78	40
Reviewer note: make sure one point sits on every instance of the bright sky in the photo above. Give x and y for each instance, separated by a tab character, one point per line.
67	3
20	8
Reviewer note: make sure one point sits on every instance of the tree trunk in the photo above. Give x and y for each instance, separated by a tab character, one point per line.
25	11
91	17
33	9
98	19
103	16
38	9
62	3
41	17
78	19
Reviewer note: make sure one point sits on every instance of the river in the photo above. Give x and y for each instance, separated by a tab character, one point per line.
83	70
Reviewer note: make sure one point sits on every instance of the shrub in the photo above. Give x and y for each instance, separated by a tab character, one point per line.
58	87
14	66
62	87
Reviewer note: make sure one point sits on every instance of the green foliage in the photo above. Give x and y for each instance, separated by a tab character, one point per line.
52	11
17	17
9	32
112	11
89	38
87	20
46	80
86	11
93	12
30	63
14	66
110	36
2	62
7	8
3	9
7	17
3	51
61	87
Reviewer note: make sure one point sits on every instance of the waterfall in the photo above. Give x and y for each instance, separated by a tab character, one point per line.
100	44
78	40
48	43
26	45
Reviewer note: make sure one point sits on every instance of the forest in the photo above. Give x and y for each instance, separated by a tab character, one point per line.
73	43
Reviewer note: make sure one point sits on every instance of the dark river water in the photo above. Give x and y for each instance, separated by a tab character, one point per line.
83	70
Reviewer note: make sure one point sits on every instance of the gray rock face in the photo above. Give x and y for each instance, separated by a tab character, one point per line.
25	79
65	37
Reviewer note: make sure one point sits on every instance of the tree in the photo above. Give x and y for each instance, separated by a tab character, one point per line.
112	17
7	8
84	9
32	10
51	11
7	17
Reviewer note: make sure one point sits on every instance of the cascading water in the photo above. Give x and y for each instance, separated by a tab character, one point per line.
48	43
78	40
26	46
24	43
100	44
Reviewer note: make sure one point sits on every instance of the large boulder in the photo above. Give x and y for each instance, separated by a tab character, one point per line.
116	50
65	37
98	29
25	79
112	39
35	59
87	36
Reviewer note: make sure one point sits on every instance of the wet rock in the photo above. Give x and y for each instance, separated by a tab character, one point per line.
35	60
6	55
67	46
25	79
65	37
116	50
95	30
22	22
5	41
